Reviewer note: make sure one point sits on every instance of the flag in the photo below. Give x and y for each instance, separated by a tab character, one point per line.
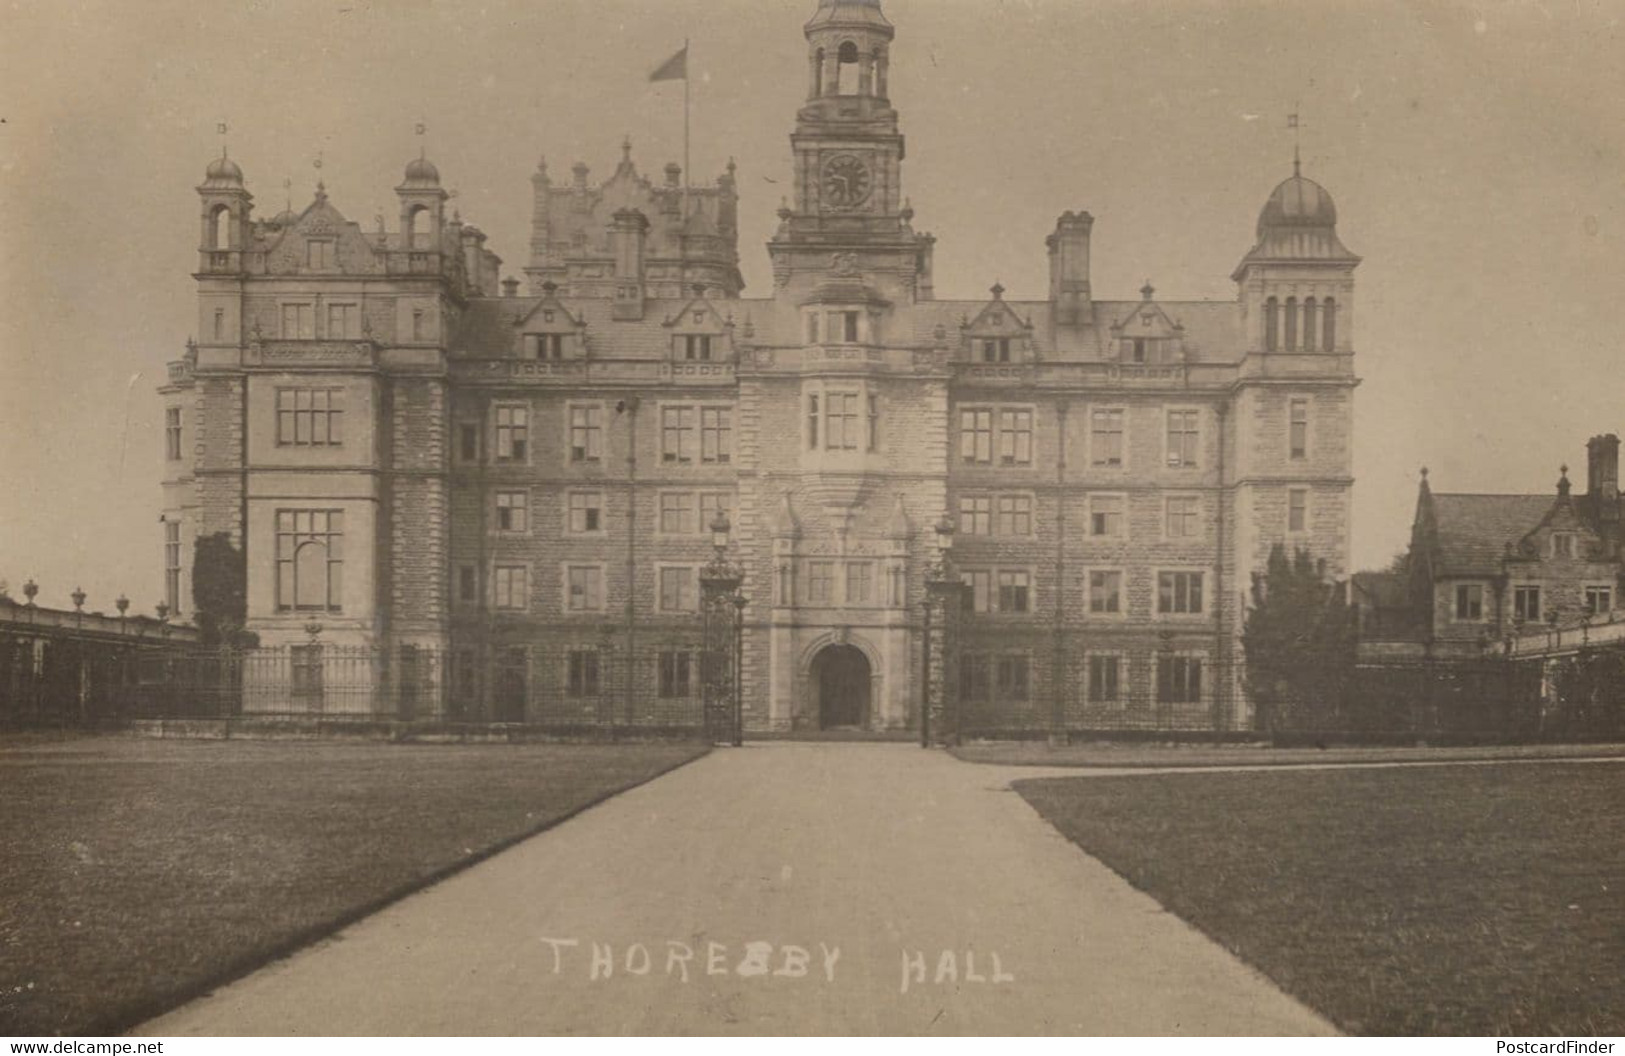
674	68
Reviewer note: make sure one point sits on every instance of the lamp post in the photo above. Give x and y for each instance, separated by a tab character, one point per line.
942	586
722	608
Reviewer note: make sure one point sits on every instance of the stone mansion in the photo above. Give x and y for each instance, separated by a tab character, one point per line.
422	454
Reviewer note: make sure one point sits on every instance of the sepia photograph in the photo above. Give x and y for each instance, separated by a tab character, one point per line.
785	518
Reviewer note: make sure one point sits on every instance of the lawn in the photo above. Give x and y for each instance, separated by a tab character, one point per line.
1478	900
1125	754
136	874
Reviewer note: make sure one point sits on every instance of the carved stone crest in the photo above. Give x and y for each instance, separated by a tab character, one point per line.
844	265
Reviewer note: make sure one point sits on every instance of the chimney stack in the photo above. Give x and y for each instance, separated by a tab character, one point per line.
629	231
1602	479
1069	269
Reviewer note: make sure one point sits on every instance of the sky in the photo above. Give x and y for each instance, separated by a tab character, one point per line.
1475	150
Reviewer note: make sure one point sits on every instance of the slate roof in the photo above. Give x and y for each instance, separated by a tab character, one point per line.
1212	329
1473	530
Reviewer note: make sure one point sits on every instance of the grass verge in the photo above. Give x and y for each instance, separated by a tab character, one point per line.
1476	900
1105	755
138	874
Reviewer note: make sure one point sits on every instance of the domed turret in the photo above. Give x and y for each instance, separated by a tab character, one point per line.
420	172
1297	202
223	172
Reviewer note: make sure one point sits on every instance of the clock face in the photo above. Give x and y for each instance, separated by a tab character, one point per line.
846	181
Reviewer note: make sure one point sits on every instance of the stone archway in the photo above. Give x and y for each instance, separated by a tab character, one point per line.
842	681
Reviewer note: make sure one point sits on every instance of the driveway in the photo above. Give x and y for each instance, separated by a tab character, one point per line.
782	888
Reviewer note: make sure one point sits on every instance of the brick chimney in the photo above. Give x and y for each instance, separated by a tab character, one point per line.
1069	269
1602	480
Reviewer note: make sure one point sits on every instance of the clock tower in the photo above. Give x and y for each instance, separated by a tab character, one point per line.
848	161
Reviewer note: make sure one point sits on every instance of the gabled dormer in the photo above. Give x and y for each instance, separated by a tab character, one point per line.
1148	335
699	331
320	241
1564	534
997	334
551	331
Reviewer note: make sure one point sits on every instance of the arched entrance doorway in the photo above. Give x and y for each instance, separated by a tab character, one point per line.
841	673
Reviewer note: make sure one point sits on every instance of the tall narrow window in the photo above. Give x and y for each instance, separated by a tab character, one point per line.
1526	604
513	512
849	326
677	434
873	438
309	560
1309	331
1272	324
812	328
172	433
468	442
1297	510
510	587
820	582
420	325
1015	591
468	584
582	678
417	226
696	346
513	433
976	434
859	582
172	566
586	434
1184	436
716	435
220	227
1106	436
219	324
812	423
1298	429
1105	679
1016	437
1328	324
675	672
841	421
1291	324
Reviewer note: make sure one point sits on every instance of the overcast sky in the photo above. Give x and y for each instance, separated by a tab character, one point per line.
1474	151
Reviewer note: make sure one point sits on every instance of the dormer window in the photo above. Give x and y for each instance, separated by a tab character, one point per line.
1139	350
546	346
996	350
845	324
319	254
696	346
1562	544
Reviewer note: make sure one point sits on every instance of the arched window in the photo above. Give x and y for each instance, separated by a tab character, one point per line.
418	227
879	61
1272	324
1291	343
1309	325
310	577
846	71
818	73
1328	312
220	227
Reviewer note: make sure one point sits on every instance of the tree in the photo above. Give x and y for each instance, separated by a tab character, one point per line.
220	591
1299	642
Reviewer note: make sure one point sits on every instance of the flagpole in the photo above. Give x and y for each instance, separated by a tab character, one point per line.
688	175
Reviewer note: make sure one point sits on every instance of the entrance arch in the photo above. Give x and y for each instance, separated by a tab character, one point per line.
842	676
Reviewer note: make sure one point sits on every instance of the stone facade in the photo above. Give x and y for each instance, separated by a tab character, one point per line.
434	461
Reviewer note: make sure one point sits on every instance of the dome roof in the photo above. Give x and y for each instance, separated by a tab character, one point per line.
222	171
850	13
420	172
286	218
1297	202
